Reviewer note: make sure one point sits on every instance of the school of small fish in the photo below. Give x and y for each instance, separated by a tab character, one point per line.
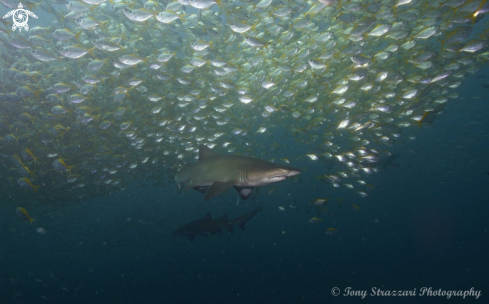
109	92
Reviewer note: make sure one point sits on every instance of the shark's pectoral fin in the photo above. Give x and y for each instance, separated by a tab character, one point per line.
244	192
201	189
217	188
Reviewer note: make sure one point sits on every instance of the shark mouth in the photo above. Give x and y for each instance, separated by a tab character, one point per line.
284	176
278	177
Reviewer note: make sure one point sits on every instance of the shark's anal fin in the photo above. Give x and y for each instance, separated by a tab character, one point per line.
244	192
205	152
201	189
217	188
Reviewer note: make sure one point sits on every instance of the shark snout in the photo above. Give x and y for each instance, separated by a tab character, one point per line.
294	172
283	174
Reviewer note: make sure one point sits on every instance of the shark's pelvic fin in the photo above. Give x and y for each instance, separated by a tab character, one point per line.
218	188
244	192
205	152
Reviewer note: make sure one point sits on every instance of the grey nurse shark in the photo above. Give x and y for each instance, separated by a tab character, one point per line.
215	173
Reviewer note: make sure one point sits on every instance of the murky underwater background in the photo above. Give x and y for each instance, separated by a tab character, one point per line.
426	226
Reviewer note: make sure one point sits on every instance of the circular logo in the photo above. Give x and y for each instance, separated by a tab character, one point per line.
335	291
20	17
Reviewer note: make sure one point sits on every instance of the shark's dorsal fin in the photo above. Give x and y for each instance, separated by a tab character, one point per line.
205	152
207	216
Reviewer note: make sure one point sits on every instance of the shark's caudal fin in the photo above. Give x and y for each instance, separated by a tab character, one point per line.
244	192
217	188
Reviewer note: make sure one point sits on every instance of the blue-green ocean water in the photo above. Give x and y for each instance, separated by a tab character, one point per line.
424	225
